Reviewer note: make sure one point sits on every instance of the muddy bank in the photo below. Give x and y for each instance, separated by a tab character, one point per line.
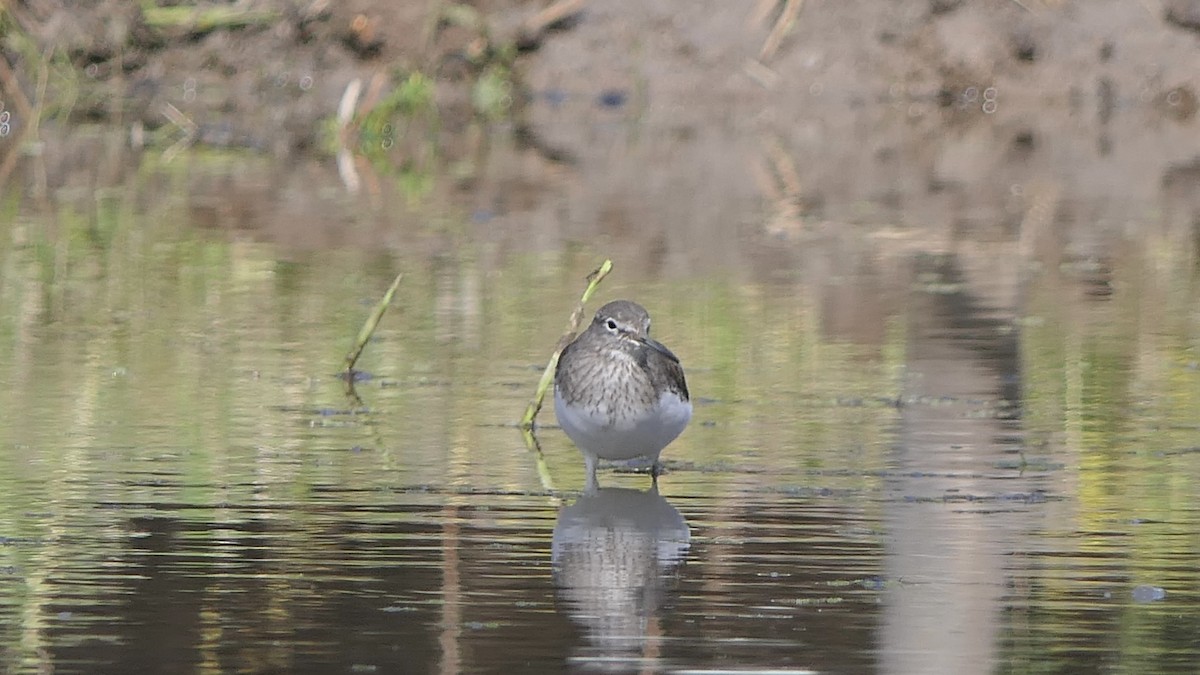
265	75
988	121
701	134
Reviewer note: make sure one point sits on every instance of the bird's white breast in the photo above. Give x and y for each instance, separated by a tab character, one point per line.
618	435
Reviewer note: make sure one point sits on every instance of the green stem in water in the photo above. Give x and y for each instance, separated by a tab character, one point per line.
535	405
368	328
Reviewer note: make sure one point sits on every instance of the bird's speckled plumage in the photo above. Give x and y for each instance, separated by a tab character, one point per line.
619	394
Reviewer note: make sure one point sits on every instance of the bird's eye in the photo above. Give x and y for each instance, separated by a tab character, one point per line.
611	323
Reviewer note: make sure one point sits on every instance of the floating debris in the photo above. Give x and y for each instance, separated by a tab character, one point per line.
1148	593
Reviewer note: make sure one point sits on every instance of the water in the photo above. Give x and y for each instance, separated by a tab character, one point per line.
904	459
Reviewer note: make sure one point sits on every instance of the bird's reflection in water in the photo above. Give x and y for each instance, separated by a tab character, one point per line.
614	552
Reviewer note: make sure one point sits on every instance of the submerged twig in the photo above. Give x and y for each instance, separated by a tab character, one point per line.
535	405
368	328
543	470
787	17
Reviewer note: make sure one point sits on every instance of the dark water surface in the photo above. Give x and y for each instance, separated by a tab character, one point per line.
906	457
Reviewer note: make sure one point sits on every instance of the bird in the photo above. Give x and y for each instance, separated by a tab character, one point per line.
618	393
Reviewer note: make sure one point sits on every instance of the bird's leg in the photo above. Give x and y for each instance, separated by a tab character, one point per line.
589	462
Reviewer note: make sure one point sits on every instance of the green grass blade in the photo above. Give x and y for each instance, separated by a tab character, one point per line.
369	326
535	405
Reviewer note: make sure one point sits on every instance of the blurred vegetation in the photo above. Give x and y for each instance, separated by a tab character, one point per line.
202	19
400	132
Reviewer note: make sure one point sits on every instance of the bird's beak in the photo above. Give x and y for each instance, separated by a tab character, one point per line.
659	347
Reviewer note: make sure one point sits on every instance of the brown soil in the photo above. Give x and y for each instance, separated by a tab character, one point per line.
267	83
681	134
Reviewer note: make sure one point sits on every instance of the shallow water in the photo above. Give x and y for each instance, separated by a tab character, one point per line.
904	458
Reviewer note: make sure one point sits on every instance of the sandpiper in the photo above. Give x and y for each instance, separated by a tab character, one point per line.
619	394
